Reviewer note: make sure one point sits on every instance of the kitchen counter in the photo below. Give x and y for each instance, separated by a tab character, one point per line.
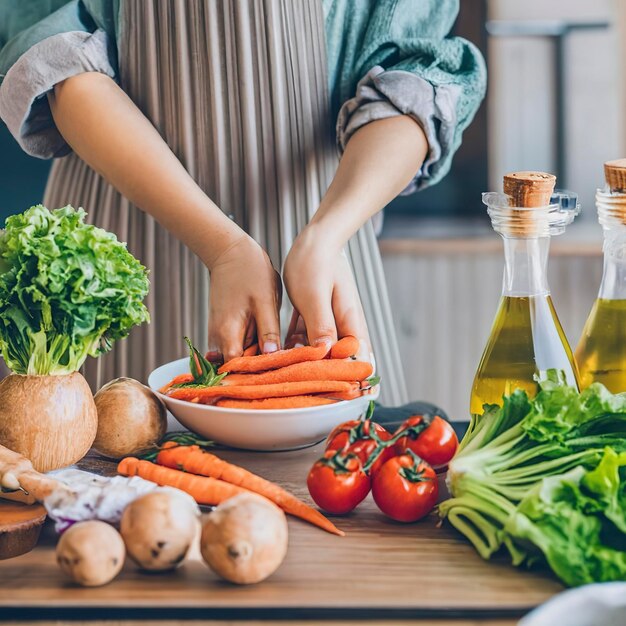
381	570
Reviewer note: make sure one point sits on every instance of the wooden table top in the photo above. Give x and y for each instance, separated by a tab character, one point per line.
380	570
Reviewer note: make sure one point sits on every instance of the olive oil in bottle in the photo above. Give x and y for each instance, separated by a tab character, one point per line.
526	337
601	351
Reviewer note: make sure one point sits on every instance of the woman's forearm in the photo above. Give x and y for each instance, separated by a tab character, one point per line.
105	128
380	160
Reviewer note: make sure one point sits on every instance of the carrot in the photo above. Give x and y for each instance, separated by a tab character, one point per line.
258	392
252	350
193	459
346	347
203	490
326	369
345	395
292	402
177	380
274	360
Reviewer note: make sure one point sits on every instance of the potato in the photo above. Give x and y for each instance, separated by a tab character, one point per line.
244	540
131	418
91	553
159	528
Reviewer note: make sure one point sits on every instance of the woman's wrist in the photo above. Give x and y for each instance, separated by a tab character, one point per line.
322	234
217	237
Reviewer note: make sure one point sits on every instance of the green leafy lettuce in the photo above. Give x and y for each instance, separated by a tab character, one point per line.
545	479
68	290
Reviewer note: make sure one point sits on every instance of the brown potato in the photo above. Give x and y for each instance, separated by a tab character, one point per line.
159	528
244	540
91	553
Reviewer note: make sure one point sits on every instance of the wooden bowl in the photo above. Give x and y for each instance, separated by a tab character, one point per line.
20	525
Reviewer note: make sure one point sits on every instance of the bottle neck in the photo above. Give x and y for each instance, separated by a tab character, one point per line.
526	267
613	285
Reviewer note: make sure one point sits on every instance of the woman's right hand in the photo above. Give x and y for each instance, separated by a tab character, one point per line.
244	300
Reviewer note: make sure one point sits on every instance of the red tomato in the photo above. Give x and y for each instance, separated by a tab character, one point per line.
340	435
355	437
364	448
337	482
436	444
405	488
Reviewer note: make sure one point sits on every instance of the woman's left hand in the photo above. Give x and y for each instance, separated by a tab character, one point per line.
321	287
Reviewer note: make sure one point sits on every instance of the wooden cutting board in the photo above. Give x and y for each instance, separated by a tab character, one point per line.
20	525
380	569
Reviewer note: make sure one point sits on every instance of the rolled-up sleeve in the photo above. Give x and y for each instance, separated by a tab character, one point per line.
407	65
23	103
40	50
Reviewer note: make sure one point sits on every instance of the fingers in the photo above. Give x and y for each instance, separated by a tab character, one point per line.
250	335
268	326
226	338
296	335
319	319
349	315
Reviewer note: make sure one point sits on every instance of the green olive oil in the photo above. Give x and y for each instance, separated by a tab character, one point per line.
526	339
601	352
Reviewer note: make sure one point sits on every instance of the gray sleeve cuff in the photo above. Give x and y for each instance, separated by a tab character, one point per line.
381	94
23	102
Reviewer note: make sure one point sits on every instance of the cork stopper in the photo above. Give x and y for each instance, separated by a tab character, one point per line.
529	189
615	175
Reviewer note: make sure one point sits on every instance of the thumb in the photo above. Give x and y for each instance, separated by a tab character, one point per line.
319	320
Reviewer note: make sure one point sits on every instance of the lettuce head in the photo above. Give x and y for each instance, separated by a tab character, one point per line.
68	290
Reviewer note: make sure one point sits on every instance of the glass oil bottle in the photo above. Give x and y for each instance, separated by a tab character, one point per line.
601	352
526	337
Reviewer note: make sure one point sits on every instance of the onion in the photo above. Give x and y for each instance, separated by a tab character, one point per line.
50	420
131	419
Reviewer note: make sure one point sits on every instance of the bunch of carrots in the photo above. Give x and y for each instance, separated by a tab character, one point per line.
287	379
211	480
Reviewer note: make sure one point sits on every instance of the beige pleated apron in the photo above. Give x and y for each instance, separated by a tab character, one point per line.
238	90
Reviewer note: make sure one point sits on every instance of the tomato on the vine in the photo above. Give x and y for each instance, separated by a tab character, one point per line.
349	432
337	482
436	442
405	488
361	438
366	448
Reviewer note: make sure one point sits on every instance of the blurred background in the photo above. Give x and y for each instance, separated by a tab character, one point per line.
555	103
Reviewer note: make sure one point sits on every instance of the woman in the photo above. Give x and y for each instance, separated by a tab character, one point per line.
215	119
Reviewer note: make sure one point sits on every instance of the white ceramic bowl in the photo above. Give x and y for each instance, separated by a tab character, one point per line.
284	429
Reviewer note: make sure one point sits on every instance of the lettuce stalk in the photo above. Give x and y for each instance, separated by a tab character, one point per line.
525	468
68	290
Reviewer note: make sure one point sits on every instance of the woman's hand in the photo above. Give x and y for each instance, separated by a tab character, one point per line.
379	161
245	297
321	287
97	119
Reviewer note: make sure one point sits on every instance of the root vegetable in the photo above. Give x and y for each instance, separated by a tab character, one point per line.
345	348
244	540
131	418
159	528
203	490
326	369
260	392
292	402
91	553
196	461
50	420
273	360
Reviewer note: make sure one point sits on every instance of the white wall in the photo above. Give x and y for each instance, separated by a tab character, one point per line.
521	95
